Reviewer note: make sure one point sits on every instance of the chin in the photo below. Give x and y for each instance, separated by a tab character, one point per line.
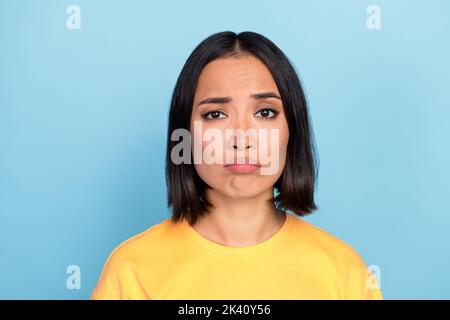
243	195
241	192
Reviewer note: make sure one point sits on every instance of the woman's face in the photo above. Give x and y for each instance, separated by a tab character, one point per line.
227	99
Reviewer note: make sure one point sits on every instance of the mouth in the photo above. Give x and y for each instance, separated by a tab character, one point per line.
243	165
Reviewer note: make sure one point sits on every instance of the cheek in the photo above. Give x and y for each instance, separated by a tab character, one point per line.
276	149
211	175
283	139
208	148
274	143
206	152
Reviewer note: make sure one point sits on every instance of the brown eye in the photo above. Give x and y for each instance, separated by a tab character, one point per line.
267	113
212	115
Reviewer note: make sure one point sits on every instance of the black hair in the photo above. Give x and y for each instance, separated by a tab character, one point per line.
294	189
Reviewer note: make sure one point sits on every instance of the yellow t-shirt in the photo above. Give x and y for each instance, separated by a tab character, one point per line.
173	261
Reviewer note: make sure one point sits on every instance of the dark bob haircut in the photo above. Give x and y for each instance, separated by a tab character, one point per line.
295	187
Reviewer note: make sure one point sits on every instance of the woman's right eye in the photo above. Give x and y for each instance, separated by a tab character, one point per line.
212	115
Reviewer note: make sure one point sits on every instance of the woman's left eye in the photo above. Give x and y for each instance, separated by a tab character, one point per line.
267	113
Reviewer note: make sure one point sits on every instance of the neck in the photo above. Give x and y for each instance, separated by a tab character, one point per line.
240	222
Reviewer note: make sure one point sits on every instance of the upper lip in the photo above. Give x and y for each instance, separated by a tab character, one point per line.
244	160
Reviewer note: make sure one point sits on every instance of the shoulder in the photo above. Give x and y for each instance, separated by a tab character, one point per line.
142	244
327	245
118	270
149	245
333	256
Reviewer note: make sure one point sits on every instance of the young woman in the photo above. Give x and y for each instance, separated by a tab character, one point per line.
236	229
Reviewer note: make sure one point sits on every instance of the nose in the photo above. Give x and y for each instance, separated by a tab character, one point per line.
236	146
241	141
242	135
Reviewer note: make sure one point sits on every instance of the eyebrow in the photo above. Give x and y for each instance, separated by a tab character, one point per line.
220	100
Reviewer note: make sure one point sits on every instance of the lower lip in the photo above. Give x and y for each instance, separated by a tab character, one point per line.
243	168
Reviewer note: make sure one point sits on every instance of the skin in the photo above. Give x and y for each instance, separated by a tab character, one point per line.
242	215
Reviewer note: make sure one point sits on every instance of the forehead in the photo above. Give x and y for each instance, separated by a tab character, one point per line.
233	75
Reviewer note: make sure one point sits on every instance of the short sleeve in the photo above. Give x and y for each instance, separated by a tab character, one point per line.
108	284
361	283
372	290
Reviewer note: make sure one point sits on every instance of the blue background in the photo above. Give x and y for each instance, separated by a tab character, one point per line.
83	116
